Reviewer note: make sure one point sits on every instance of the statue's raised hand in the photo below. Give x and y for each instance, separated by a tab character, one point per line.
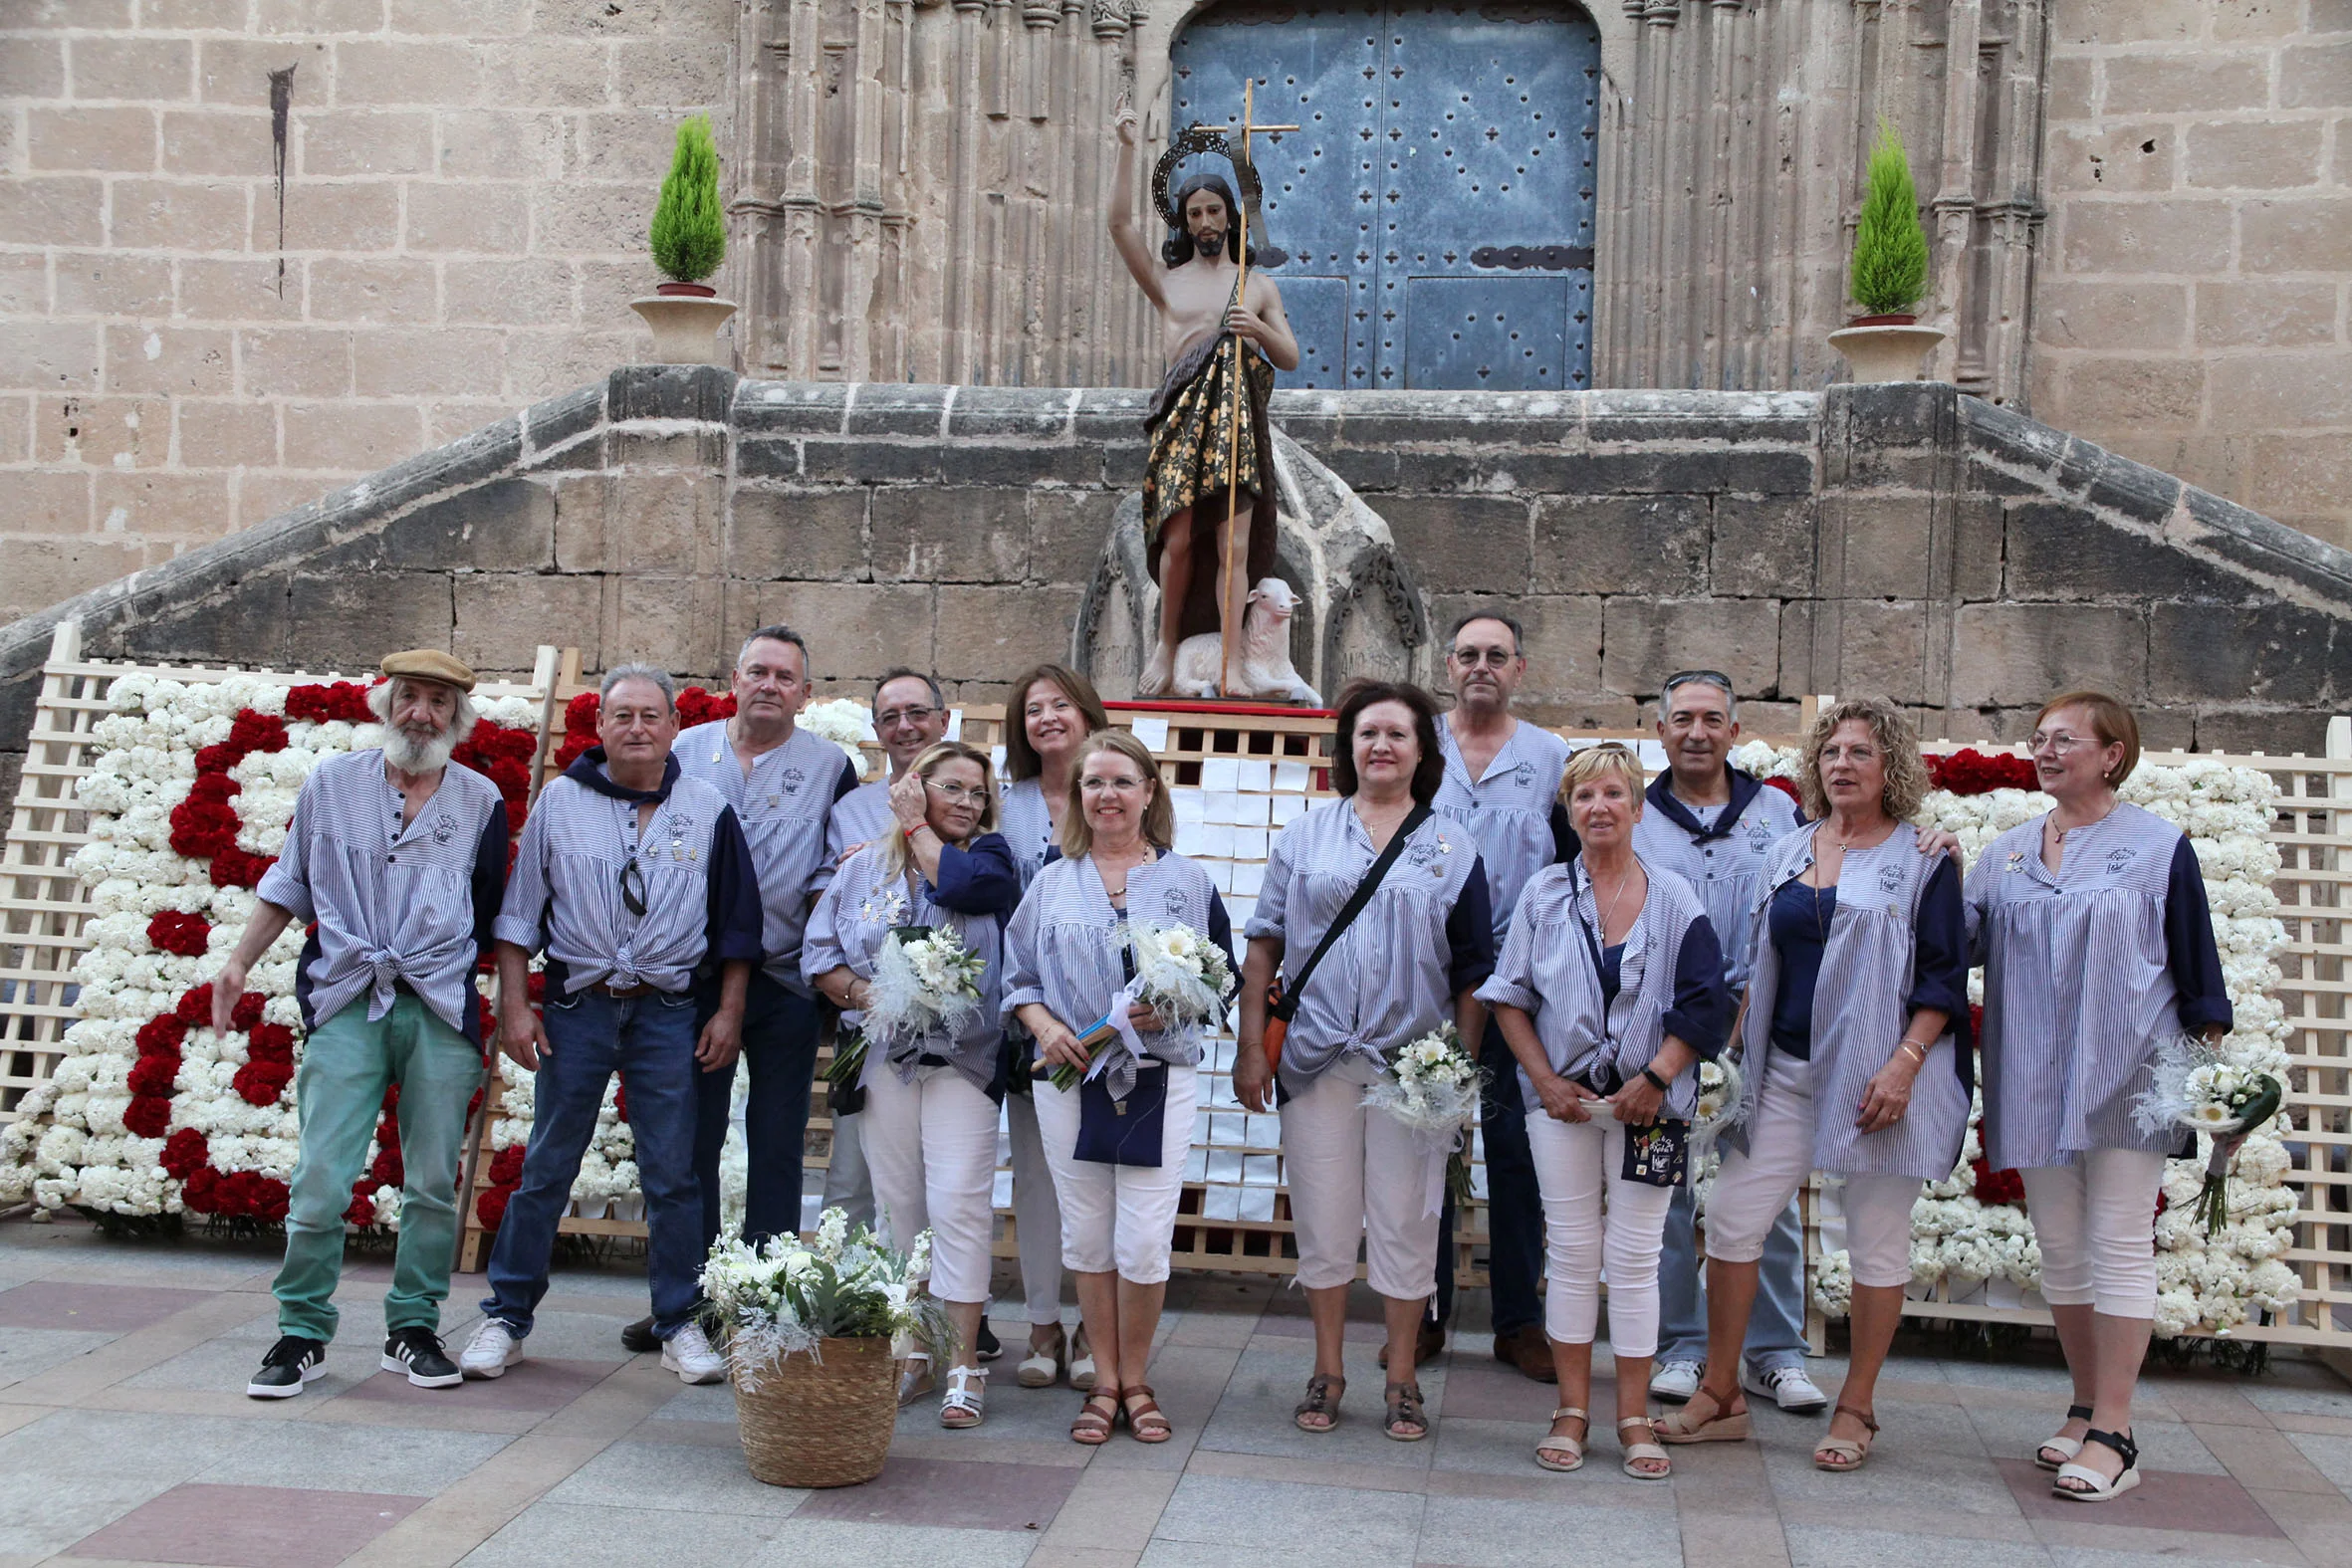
1123	117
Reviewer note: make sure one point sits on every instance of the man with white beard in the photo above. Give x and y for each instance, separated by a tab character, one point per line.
399	856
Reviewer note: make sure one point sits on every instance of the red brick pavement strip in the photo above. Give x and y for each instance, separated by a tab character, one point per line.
2164	1501
968	1494
100	1310
249	1526
529	1385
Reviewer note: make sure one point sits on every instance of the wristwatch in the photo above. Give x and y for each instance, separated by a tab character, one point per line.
1656	1082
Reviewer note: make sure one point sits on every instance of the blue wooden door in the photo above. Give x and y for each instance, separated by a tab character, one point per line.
1435	211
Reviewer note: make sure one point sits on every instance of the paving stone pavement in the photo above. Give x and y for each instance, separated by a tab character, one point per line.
125	1436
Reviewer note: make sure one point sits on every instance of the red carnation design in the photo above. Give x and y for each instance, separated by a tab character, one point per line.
247	1013
385	1167
203	824
1787	787
185	1153
162	1035
505	1165
152	1076
323	704
269	1042
261	1082
490	1208
173	932
147	1115
233	868
194	1007
1970	771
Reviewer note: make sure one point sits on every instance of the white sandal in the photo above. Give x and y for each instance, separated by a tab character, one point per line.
1560	1443
1042	1369
914	1376
1082	1361
1643	1451
960	1406
2065	1448
2093	1486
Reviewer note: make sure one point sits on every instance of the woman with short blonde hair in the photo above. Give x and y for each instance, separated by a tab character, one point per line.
1117	1146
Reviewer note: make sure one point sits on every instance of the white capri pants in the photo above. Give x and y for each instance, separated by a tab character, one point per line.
1036	1218
932	1146
1577	1163
1118	1216
1357	1175
2093	1220
1753	1188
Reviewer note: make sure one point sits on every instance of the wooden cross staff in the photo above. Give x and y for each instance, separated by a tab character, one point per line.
1235	544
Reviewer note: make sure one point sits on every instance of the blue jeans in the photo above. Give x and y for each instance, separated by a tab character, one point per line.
649	1041
1776	1329
1515	1204
780	1029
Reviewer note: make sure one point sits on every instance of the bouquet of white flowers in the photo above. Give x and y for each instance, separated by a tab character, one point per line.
1435	1092
2195	1087
926	982
842	721
784	1296
1179	974
1721	1089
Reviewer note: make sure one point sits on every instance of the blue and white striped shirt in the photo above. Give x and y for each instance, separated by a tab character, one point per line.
1897	912
392	903
2087	970
1062	949
1669	982
1027	825
700	894
1508	808
781	805
1720	856
857	818
863	902
1426	935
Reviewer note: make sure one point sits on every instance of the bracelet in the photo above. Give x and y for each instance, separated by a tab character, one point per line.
1911	1045
1656	1082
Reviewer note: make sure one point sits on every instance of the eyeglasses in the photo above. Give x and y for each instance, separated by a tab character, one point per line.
2061	743
1098	784
900	716
1472	658
632	887
1710	677
956	794
1859	752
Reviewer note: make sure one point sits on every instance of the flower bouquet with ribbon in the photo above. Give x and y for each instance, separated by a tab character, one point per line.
1434	1091
1722	1088
926	982
2195	1088
1179	974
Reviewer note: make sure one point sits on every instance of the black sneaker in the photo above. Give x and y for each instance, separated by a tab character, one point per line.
986	1347
638	1338
416	1350
292	1361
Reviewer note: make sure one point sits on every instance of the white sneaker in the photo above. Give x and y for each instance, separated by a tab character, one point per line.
493	1349
1676	1381
1787	1387
688	1353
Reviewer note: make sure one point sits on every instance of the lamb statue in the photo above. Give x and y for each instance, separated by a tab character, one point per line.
1264	668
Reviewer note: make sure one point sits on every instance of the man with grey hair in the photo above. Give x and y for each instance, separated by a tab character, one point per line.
1712	825
632	876
399	855
911	717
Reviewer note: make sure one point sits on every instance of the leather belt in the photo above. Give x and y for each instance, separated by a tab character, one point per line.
622	993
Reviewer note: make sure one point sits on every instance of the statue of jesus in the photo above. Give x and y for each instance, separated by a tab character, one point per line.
1205	320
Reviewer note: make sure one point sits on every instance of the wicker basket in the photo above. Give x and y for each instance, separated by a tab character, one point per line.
821	1422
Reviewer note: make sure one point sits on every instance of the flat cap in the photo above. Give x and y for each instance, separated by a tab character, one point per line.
429	664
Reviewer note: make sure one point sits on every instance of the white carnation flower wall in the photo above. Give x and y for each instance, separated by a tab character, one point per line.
1970	1249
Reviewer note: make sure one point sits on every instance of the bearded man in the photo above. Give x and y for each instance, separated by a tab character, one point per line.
399	856
1195	284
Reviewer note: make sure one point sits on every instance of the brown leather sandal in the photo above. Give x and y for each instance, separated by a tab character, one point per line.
1092	1427
1405	1412
1145	1421
1318	1412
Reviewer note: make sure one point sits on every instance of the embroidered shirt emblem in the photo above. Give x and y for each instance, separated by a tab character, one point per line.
444	828
2120	858
1890	877
793	780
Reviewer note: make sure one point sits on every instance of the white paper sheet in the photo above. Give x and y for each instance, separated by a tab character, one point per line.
955	724
1291	776
1288	808
1191	806
1248	843
1249	876
1216	844
1220	773
1153	733
1255	811
1192	838
1220	806
1256	774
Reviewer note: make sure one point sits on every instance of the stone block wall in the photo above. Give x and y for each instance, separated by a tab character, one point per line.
1899	538
467	184
2192	309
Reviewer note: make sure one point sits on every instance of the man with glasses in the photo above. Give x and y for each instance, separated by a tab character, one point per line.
1501	782
1712	825
631	876
910	716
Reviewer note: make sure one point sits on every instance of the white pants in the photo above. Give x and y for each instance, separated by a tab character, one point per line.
1357	1175
1037	1218
1753	1188
1577	1163
849	1185
2093	1221
1118	1217
932	1148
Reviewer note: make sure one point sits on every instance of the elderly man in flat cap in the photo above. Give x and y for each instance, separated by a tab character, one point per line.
399	855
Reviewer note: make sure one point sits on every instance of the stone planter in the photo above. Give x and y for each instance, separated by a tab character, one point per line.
685	326
1886	348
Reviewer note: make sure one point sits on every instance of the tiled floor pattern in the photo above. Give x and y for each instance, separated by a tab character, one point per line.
125	1437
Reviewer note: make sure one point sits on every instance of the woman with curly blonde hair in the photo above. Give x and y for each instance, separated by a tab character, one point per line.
1856	1044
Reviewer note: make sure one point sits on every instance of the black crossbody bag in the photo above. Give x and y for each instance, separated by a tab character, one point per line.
1282	1002
1657	1155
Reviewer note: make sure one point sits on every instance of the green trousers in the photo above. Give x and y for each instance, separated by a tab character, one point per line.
346	1063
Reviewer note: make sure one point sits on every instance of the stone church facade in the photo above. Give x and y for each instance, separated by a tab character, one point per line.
2141	213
